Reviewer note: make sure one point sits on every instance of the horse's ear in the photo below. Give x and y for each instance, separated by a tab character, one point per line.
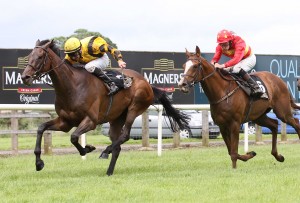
198	53
48	44
187	53
37	42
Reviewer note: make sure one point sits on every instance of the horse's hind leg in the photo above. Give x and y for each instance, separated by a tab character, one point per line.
297	126
123	137
116	147
290	120
272	124
283	111
114	133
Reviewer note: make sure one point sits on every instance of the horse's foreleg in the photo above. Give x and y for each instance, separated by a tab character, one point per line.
247	156
226	138
86	125
55	125
39	163
234	143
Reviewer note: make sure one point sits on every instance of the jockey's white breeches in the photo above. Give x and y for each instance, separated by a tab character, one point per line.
246	64
101	63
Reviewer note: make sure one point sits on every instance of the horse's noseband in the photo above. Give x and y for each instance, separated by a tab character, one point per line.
195	76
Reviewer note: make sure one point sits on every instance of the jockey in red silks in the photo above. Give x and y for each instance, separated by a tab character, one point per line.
242	58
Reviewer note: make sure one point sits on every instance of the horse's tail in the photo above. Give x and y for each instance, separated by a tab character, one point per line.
175	117
293	104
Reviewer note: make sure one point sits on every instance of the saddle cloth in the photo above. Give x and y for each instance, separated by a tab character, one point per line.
244	85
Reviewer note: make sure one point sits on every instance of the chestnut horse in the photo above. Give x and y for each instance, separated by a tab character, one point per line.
81	101
231	106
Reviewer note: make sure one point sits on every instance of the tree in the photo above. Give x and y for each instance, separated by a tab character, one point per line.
80	34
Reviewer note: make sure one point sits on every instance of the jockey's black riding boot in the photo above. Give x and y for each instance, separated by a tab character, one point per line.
256	91
113	88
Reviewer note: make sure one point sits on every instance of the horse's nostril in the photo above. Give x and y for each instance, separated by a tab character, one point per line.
25	77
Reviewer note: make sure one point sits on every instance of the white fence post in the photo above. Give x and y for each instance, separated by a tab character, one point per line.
159	130
83	143
246	133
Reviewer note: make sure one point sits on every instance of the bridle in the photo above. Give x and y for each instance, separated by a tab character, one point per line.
197	74
38	74
200	71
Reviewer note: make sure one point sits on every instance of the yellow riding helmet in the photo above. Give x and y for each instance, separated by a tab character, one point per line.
72	45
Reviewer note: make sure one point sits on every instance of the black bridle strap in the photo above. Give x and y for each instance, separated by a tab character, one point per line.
37	70
37	75
199	69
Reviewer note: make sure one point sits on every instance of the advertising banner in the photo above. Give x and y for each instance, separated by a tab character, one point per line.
161	69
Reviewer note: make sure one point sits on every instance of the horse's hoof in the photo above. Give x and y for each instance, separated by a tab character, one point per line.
252	153
109	173
280	158
39	165
89	148
104	155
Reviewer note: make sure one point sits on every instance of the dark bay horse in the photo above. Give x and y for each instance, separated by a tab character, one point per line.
81	101
231	106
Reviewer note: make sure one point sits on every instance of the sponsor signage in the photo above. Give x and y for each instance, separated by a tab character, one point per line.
160	69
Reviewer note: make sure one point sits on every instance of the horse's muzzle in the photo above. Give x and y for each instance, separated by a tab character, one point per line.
184	87
27	80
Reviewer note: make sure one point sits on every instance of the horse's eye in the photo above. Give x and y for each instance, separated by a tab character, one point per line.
196	65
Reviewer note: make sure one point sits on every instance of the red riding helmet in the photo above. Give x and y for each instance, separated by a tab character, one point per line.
224	36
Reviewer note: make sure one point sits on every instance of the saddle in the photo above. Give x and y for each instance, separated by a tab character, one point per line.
121	80
244	85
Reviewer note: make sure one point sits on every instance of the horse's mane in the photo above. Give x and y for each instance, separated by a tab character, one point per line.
53	46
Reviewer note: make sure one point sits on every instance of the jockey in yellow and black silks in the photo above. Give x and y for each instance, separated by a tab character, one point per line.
90	53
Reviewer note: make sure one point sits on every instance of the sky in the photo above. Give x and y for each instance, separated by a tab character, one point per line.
269	27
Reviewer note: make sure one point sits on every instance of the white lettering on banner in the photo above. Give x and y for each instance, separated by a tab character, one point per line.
292	88
27	99
14	78
284	69
287	69
153	78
